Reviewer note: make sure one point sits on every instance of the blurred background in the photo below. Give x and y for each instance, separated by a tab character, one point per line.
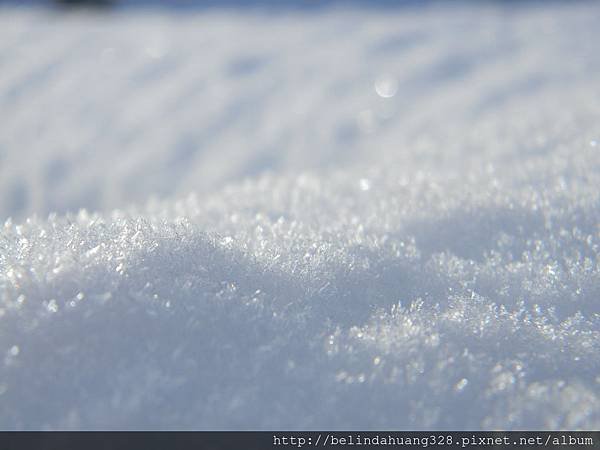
111	103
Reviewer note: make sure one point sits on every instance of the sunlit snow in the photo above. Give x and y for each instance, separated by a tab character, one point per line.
356	216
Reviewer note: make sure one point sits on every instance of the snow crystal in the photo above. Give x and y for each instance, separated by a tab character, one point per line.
406	257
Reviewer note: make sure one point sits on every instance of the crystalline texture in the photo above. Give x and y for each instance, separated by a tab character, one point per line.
449	262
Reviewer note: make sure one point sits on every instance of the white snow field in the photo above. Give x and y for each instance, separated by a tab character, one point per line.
337	217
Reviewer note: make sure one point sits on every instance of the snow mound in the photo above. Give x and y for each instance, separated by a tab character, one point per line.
361	301
415	244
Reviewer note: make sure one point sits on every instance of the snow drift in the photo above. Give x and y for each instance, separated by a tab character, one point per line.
447	262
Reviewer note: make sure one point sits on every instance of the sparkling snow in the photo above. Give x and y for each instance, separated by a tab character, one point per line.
232	218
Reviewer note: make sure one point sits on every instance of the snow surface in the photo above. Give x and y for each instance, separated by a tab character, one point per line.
339	218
